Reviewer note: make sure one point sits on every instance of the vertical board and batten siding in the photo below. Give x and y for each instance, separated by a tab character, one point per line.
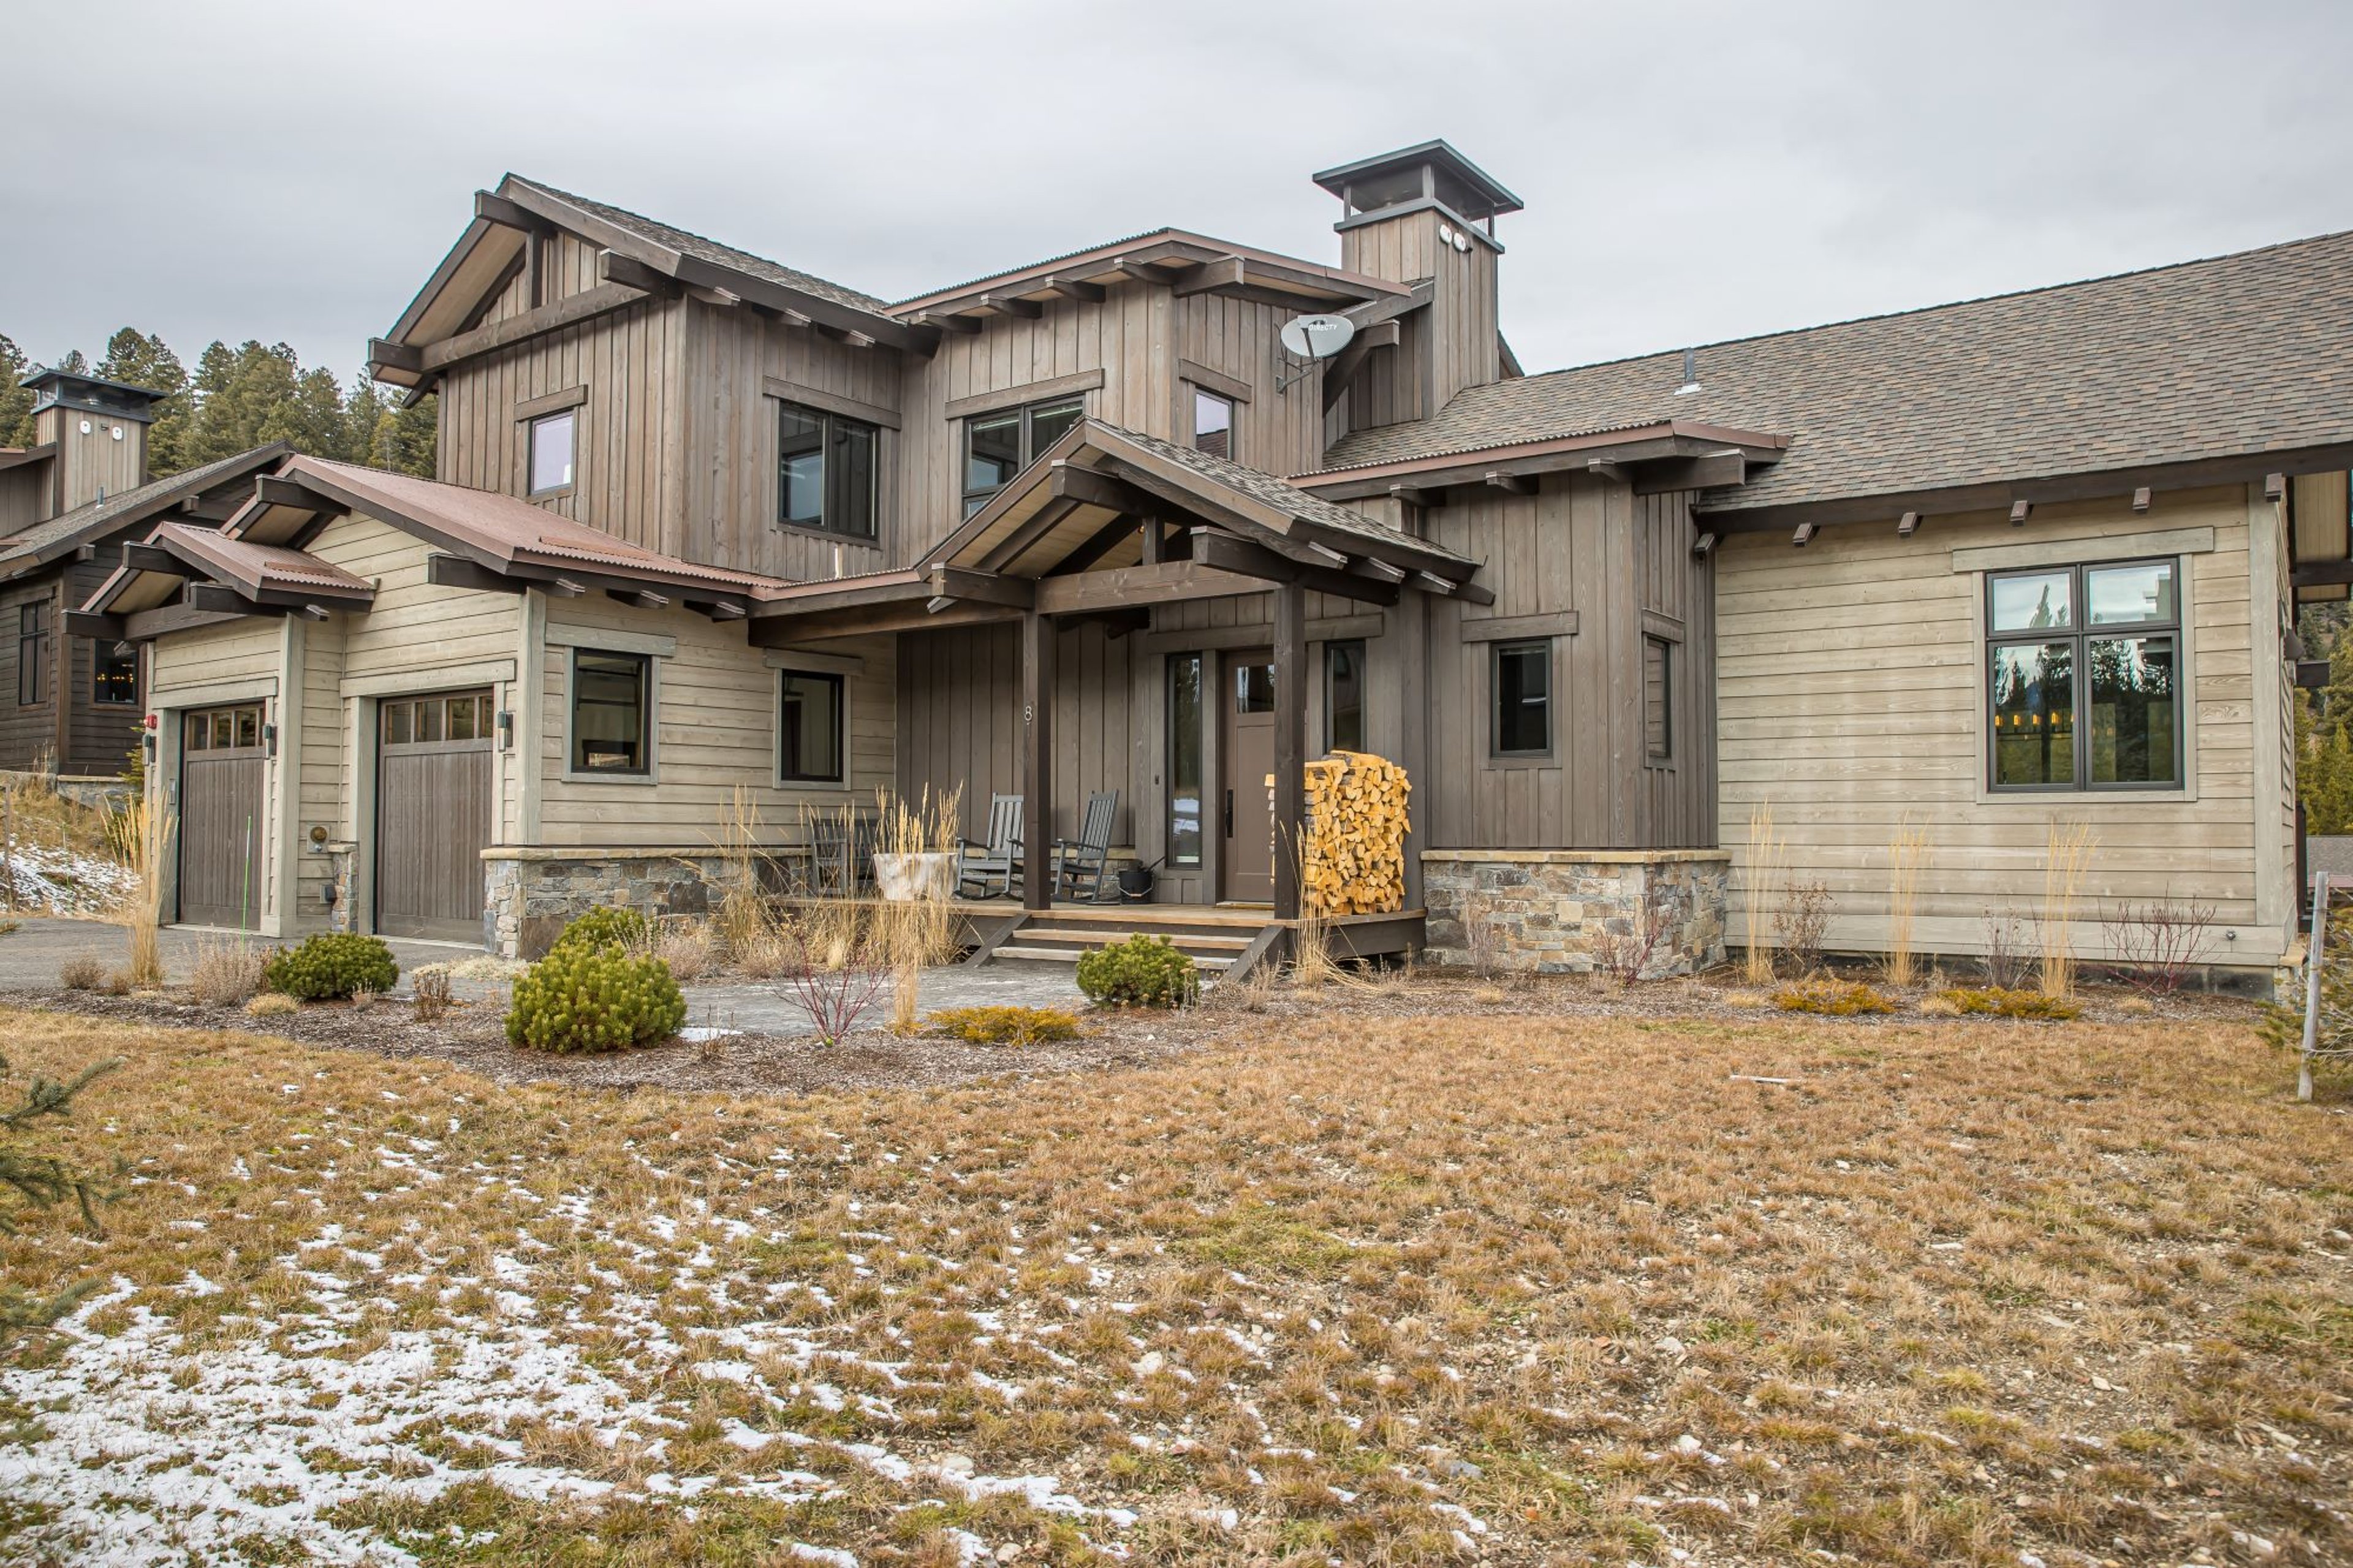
1853	692
1590	547
629	474
90	465
714	730
23	498
1276	433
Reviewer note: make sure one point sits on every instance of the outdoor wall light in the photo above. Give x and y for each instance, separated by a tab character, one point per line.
270	740
506	729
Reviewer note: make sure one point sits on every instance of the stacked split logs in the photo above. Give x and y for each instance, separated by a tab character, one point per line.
1355	859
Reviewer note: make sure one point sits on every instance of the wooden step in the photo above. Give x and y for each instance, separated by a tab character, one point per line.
1186	941
1033	952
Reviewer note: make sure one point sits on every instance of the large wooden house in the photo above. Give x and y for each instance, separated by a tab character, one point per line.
708	527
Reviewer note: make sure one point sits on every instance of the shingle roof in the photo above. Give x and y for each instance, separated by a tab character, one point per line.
45	541
712	250
2233	355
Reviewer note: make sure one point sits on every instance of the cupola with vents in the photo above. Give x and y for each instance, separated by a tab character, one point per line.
98	430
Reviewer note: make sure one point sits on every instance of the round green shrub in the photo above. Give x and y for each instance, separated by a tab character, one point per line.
605	926
586	997
331	966
1142	972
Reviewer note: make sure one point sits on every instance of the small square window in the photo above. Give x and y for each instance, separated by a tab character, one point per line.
808	729
609	728
551	452
1213	423
1522	674
2083	677
999	446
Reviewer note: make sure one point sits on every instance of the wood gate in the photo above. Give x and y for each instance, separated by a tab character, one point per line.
433	813
221	824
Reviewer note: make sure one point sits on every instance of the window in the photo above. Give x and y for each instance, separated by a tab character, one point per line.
1521	675
407	721
551	453
609	693
808	729
1344	696
114	678
825	471
1184	759
1213	423
999	446
1657	699
32	654
2083	677
221	730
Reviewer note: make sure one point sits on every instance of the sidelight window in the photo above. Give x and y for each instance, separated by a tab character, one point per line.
1344	695
2083	677
1184	759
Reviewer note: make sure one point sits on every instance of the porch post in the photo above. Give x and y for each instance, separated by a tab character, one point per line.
1290	744
1038	758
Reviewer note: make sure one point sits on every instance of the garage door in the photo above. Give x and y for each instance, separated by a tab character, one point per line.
221	763
433	810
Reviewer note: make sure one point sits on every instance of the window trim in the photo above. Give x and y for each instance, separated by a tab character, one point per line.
972	500
2080	635
649	720
34	660
785	672
1495	652
1363	671
828	420
532	427
1233	419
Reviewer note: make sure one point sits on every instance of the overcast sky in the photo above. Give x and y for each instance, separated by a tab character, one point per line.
256	168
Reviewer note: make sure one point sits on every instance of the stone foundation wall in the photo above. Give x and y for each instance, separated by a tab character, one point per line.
529	896
1540	910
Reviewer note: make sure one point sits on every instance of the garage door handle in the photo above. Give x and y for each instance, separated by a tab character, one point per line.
1230	813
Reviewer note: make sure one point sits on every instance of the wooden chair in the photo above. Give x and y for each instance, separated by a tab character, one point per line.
831	869
998	858
1083	862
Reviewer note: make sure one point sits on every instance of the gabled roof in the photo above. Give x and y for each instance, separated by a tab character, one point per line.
60	536
259	569
2238	355
1172	247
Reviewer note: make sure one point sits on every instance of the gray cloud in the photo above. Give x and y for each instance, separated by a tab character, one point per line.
253	168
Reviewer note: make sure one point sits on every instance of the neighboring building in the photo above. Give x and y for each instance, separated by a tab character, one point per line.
67	503
708	525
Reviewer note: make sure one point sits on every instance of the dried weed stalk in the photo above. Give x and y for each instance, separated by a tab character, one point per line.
1763	866
2067	858
1907	854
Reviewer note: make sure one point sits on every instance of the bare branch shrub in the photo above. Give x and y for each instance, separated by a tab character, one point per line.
2158	944
2007	949
1801	925
836	986
1622	948
82	972
428	987
226	973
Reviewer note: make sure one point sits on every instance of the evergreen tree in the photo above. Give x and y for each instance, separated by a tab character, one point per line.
16	400
42	1180
405	439
2325	747
73	363
146	361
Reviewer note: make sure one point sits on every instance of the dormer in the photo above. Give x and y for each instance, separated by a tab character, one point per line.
1427	214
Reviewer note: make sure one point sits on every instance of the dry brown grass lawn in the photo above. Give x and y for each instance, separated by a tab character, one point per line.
1379	1290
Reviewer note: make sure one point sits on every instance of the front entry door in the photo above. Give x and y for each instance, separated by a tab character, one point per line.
1246	699
433	809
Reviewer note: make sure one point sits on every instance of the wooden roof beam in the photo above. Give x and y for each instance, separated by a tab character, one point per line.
271	490
962	585
494	209
1079	288
630	273
1011	305
947	322
1228	553
385	354
1225	272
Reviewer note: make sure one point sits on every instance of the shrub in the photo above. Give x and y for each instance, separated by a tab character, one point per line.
2001	1002
272	1005
82	972
226	973
1006	1026
1801	925
330	966
623	931
1142	972
429	991
587	998
1831	998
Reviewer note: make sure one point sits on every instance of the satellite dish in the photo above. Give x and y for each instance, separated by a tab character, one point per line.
1317	337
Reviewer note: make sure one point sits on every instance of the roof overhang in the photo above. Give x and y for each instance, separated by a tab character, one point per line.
19	457
180	577
208	493
1188	263
1674	454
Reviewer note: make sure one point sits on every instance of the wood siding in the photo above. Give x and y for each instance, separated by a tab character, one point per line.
23	497
28	732
1852	701
239	660
89	464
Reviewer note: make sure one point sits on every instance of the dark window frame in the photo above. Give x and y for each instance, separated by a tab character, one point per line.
101	655
1496	653
1664	756
2079	634
533	488
1203	689
833	431
32	653
1355	647
974	500
574	767
1232	406
841	686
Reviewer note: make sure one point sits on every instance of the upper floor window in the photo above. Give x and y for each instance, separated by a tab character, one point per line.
114	677
32	654
1213	423
1522	678
551	452
2083	677
825	471
1000	445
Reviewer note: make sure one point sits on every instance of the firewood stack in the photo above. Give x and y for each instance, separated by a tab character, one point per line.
1356	814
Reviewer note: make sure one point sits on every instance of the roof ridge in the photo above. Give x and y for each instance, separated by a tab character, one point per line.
1925	310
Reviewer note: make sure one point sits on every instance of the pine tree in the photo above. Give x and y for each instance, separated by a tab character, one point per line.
2325	748
146	361
16	400
43	1181
405	439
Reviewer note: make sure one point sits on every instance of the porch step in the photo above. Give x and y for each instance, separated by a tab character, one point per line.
1190	942
1032	952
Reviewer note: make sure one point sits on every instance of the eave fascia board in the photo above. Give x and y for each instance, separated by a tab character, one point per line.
1635	444
1160	248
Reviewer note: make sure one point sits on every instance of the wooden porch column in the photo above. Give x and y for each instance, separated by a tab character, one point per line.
1038	760
1290	744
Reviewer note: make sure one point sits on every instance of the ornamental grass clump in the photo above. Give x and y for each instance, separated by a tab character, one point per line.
1142	972
1004	1025
1831	998
331	966
588	997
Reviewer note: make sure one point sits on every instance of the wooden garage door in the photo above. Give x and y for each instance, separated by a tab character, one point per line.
433	809
220	828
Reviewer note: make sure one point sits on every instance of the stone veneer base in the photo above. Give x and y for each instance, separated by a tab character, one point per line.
529	896
1539	910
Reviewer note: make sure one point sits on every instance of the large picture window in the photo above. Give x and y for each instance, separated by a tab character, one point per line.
610	711
2083	677
1184	759
809	730
999	446
826	469
1522	677
32	654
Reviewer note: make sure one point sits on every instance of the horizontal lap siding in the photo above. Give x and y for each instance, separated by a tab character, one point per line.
100	736
1849	695
183	665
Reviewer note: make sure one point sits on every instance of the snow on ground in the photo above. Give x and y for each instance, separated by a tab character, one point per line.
53	880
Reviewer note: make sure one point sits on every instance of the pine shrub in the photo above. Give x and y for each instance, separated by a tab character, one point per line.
587	998
622	930
331	966
1142	972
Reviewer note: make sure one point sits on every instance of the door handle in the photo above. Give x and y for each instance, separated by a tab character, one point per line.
1230	813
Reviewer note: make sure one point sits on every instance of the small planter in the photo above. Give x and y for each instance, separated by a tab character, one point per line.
908	879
